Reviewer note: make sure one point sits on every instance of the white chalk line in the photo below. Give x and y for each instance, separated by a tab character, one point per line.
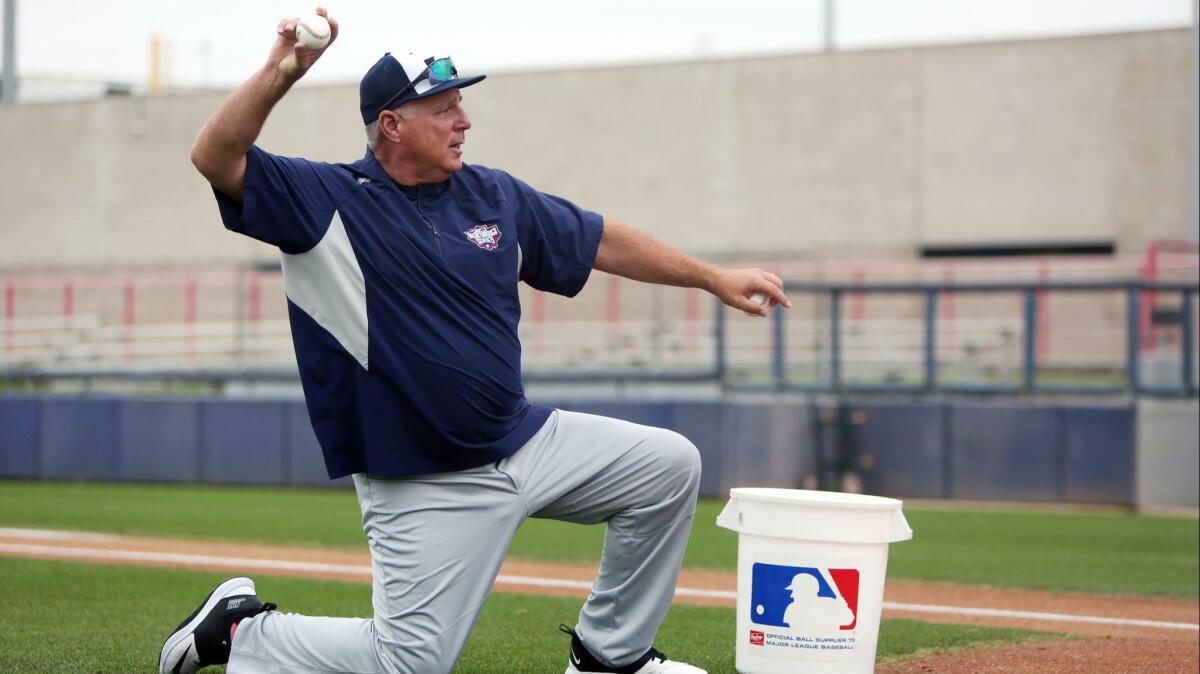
56	534
531	581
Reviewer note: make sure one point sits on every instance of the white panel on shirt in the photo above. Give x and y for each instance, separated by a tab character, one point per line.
327	284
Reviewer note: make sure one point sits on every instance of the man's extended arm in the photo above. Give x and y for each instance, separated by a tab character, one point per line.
219	152
628	252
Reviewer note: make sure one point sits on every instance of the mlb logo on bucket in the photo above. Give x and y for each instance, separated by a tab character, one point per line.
804	598
756	638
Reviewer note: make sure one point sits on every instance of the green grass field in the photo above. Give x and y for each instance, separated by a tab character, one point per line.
70	617
75	617
1098	552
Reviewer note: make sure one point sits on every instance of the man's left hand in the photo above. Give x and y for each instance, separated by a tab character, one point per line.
735	287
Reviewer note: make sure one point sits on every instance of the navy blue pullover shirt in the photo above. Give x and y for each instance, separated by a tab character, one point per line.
403	303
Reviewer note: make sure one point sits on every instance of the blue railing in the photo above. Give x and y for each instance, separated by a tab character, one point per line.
829	350
1127	377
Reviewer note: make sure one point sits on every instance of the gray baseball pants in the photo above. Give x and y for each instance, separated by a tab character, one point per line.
437	542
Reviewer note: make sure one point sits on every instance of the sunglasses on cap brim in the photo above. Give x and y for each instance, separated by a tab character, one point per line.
437	72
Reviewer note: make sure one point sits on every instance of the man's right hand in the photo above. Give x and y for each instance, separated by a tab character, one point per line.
219	152
290	55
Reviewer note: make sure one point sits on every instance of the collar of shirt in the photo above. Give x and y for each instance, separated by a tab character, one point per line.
370	167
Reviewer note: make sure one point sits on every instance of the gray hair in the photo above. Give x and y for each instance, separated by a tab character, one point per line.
406	112
372	134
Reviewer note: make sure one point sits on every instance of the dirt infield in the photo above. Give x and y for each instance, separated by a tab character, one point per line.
1110	640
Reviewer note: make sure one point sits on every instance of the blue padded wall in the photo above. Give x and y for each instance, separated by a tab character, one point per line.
1003	451
901	446
20	436
79	439
769	446
159	440
1097	454
998	449
242	441
306	464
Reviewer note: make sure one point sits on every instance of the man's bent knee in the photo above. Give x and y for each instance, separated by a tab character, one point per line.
679	459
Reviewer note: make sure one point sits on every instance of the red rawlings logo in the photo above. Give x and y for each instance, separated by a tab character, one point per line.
756	638
486	237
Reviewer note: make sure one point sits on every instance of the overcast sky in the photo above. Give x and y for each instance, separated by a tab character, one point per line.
220	42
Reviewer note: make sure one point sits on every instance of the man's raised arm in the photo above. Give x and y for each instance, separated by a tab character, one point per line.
219	152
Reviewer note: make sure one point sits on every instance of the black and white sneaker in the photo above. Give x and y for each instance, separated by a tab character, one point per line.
653	662
203	638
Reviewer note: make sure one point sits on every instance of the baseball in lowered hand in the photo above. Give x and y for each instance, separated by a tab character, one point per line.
757	298
313	32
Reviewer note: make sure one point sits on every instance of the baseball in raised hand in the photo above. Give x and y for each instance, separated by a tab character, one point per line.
314	31
292	52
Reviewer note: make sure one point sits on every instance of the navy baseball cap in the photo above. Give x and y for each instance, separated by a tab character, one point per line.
391	83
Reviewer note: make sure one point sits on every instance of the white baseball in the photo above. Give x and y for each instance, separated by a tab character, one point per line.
313	32
757	298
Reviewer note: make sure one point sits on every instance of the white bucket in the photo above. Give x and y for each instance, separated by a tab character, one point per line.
811	567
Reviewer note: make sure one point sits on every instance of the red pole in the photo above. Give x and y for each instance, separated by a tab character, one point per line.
1042	302
189	315
68	299
1146	306
946	317
129	317
10	312
856	300
691	309
255	297
614	305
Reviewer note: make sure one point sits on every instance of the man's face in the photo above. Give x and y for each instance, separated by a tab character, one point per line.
433	137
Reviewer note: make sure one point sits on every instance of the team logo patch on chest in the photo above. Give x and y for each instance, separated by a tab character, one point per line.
486	237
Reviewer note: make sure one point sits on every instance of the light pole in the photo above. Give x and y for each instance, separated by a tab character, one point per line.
1194	151
830	15
8	78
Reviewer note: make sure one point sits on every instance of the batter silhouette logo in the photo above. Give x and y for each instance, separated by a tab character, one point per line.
486	237
804	600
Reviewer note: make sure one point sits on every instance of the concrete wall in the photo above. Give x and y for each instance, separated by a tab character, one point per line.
1168	460
855	153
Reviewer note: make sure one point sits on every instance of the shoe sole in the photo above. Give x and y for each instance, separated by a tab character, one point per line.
572	670
176	647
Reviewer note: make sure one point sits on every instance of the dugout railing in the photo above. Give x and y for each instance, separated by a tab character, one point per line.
1155	358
